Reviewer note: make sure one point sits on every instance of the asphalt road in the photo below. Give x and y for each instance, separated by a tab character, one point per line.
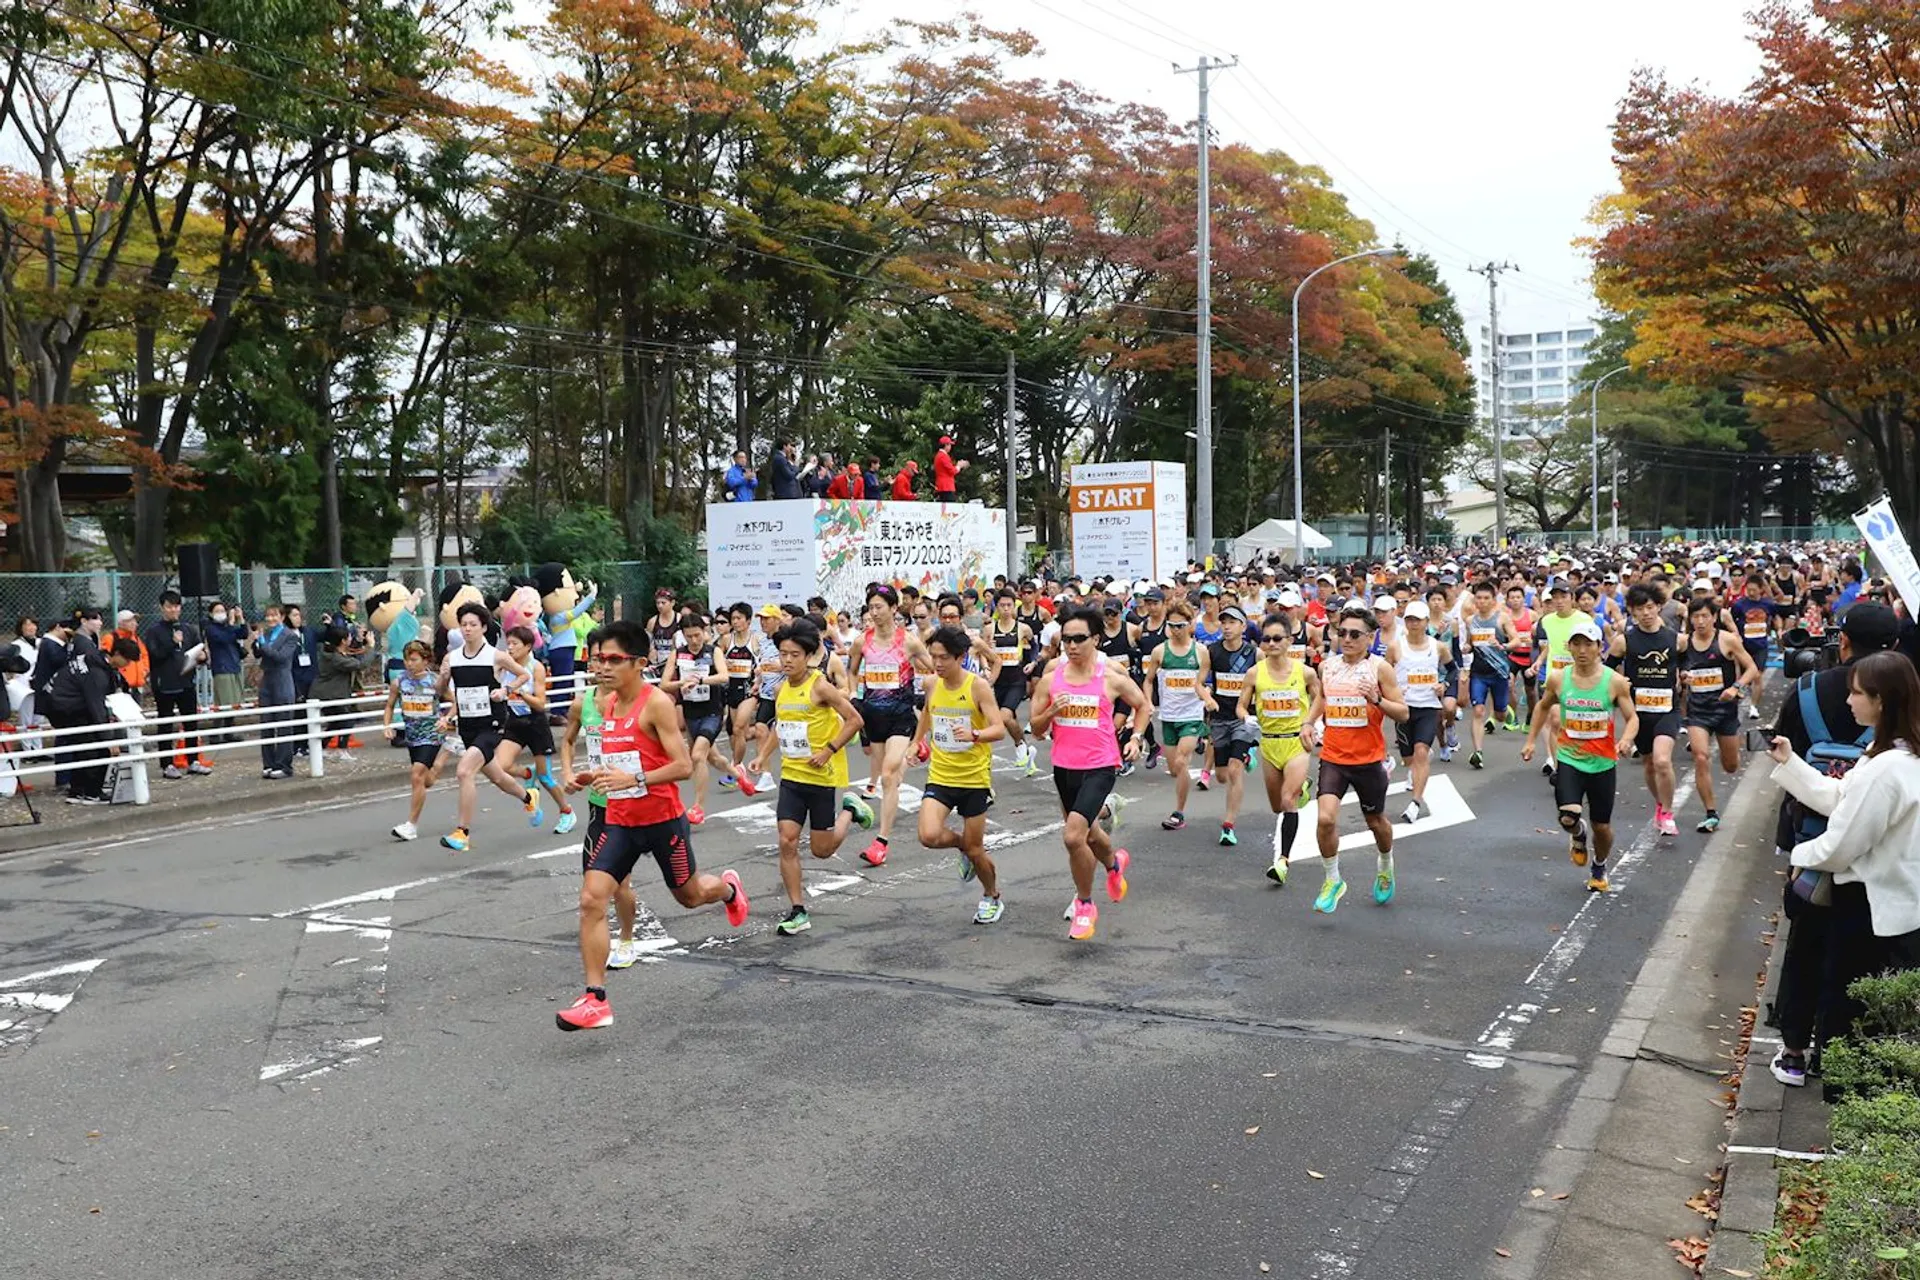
290	1046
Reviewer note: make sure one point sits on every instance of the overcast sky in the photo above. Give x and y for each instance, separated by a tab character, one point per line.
1475	129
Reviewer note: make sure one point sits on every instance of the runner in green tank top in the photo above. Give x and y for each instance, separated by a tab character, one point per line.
1581	699
1176	673
584	718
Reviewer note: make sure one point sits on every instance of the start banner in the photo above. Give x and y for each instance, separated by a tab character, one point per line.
1129	519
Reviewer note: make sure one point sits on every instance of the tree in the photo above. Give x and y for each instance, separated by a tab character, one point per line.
1773	236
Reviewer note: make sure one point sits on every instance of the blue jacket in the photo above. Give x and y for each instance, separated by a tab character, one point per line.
741	483
786	477
277	650
224	642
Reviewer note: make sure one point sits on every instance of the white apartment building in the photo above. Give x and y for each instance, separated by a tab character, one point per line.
1536	368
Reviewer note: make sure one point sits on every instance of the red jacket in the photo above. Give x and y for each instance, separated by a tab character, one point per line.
903	486
844	487
946	472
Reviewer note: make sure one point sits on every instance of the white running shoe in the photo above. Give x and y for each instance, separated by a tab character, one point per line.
1753	712
406	831
623	955
764	782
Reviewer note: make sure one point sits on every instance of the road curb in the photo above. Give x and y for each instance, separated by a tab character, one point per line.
1645	1038
1751	1192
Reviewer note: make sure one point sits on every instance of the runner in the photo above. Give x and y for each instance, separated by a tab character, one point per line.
1714	665
1177	670
696	677
1358	695
1550	634
663	631
815	721
1015	642
768	675
1283	703
1148	636
1075	700
469	678
741	655
525	726
1423	669
1587	782
1758	619
1490	634
962	722
882	664
1234	737
643	758
1648	656
414	694
1520	705
1441	626
1119	640
585	716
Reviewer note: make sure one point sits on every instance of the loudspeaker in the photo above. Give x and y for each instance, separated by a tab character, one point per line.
199	570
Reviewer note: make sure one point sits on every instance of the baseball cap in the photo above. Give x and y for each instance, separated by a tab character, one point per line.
946	439
1703	584
125	615
1871	626
1289	599
1234	611
1585	629
1416	609
1324	576
1156	595
1555	585
1211	589
1195	579
772	611
1387	603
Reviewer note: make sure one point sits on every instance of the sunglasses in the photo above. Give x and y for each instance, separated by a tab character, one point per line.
616	659
1177	623
1273	639
1353	633
1077	639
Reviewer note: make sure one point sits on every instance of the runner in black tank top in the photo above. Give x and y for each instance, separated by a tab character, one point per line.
1650	662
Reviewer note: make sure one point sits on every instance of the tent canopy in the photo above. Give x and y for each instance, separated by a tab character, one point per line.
1276	536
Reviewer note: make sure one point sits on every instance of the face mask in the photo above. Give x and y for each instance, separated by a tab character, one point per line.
219	617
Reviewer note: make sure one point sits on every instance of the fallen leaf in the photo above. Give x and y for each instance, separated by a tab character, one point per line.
1316	1176
1265	1267
1735	1271
1561	1195
1537	1192
93	1133
1252	1131
1269	1075
1505	1253
95	1209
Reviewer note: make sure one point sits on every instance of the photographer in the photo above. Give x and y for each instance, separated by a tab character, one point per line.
76	698
343	656
171	649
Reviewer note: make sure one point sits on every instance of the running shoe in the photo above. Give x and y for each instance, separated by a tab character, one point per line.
1117	875
1116	805
1597	883
862	812
965	868
277	775
1789	1068
1174	821
1328	899
869	790
1068	913
1383	887
532	805
1278	871
1032	769
1153	756
989	911
1577	844
406	831
568	821
622	954
1021	755
1477	760
1415	810
199	768
748	787
1227	834
1753	712
1546	771
727	782
1126	768
456	840
1205	780
1084	915
1664	822
173	771
696	816
795	921
1444	755
763	783
1709	823
736	905
1453	737
587	1013
875	854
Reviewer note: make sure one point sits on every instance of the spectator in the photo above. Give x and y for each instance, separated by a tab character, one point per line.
341	662
127	624
1852	582
87	625
76	699
903	483
741	482
277	647
226	636
306	665
347	615
26	646
780	465
946	472
171	645
819	476
849	484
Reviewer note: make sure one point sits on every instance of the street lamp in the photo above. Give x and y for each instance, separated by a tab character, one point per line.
1299	535
1593	425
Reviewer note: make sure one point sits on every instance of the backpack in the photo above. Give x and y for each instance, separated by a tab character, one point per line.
1832	758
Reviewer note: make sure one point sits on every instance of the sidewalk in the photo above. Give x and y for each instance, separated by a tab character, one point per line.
235	786
1639	1153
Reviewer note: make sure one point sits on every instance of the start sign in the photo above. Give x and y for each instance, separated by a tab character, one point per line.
1129	519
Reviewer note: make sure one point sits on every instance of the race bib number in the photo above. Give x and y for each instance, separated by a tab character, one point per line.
696	688
1299	651
474	701
1347	711
880	675
1280	702
1180	681
1658	701
1756	629
1706	680
1008	653
418	706
794	744
627	762
592	736
1228	684
1586	724
1559	662
1423	679
1077	711
946	732
1483	635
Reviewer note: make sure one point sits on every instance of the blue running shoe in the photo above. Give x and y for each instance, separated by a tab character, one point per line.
1329	898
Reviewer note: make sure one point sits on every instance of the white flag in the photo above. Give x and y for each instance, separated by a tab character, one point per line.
1890	548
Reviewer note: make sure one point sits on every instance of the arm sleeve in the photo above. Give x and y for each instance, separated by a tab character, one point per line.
1857	824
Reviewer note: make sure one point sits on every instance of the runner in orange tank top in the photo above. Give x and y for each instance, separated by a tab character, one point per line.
1358	693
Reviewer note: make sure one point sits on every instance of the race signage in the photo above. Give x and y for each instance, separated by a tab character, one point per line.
1129	519
1883	534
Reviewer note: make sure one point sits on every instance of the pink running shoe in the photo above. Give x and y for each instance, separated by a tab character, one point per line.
1084	914
1117	876
746	783
585	1014
1665	823
696	816
737	908
875	854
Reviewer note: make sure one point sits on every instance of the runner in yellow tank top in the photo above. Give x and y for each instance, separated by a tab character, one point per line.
813	722
1285	700
961	721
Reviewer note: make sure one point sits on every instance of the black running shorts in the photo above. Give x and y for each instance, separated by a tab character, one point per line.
1084	791
620	848
1368	781
1593	792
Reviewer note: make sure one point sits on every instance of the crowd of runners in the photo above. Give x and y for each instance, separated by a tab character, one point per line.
1317	686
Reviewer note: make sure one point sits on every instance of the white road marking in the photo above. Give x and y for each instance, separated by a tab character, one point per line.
334	1054
38	1006
59	971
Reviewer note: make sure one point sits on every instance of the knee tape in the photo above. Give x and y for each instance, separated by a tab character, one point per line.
1570	818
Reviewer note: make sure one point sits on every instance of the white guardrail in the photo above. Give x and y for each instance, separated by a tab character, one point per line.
135	737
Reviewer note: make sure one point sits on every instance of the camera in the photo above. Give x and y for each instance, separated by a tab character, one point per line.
1803	651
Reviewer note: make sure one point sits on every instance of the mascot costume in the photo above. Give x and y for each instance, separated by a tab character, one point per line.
521	608
563	604
393	613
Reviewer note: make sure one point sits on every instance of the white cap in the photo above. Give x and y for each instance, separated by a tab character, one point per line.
1543	562
1585	628
1449	567
1575	564
1416	609
1290	599
1703	584
1195	579
1325	576
1143	586
1714	570
1387	603
1165	583
125	615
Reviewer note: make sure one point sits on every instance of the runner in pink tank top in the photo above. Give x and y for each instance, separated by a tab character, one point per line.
1075	701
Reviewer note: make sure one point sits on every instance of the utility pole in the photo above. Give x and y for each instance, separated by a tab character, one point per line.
1203	326
1386	484
1492	272
1013	502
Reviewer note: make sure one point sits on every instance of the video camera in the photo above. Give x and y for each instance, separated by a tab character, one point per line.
1803	651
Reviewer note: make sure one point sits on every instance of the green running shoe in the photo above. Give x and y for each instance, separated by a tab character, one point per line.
1329	897
1227	834
1278	872
1383	887
796	921
862	811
